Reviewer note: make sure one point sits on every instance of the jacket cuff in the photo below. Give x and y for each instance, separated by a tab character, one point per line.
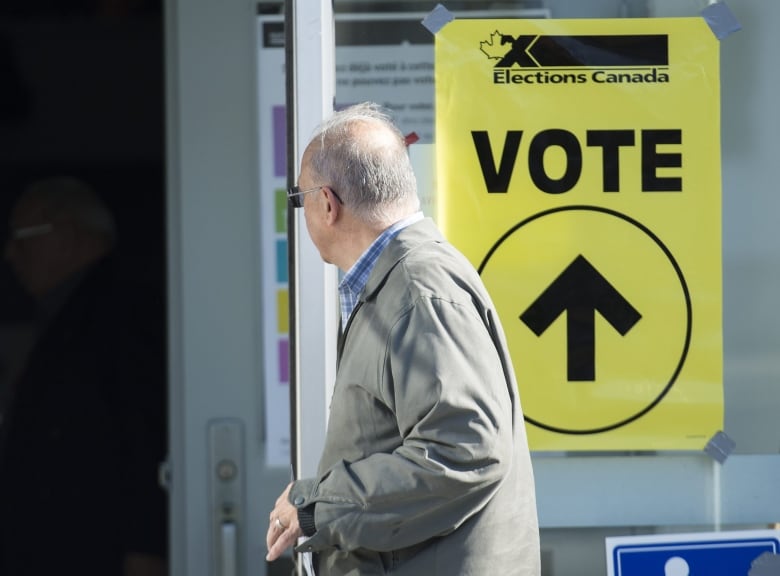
306	520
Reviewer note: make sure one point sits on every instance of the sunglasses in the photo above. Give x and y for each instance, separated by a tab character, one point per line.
295	195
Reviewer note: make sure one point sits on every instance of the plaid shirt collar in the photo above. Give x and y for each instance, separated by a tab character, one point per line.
351	286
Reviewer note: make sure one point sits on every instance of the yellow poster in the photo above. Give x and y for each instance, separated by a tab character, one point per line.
578	168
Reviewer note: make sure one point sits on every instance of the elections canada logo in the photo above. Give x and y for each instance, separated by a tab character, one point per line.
597	59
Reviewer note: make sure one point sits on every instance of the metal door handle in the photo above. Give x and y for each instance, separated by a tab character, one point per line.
226	457
229	546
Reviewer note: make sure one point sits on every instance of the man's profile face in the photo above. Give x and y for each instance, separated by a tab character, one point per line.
34	249
308	179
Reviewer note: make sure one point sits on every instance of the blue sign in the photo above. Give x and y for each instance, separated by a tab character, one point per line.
709	557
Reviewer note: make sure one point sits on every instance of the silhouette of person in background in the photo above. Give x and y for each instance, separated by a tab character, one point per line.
84	429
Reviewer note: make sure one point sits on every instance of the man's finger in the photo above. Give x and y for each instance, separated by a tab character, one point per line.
285	541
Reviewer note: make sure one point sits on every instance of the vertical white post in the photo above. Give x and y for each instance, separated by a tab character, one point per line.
314	291
717	512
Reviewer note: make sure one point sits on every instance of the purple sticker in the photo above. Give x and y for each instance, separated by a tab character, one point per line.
280	141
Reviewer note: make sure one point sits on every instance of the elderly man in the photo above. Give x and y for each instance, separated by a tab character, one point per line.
80	446
426	468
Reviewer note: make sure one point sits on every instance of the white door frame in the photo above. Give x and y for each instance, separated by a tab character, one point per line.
214	289
214	293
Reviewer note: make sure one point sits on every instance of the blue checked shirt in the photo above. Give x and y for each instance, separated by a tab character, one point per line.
355	279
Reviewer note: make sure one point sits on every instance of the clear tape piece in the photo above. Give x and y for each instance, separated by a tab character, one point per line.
721	20
437	19
720	446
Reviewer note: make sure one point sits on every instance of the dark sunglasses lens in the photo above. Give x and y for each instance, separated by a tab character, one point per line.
295	199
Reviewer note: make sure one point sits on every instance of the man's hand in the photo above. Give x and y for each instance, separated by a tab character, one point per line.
283	528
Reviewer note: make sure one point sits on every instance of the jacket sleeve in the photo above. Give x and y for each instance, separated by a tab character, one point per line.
443	379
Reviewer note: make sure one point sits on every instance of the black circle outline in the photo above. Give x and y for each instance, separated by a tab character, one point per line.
689	311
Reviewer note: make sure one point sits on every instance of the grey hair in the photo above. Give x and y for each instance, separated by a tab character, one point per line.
68	198
363	156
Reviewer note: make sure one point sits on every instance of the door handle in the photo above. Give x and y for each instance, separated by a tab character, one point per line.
226	457
229	546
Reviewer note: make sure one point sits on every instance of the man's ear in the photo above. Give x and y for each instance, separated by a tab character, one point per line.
332	206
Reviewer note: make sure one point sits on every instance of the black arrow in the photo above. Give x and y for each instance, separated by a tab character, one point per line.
580	290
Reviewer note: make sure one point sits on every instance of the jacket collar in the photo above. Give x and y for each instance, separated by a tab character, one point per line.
410	238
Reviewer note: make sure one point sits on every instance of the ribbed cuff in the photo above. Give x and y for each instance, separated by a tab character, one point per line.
306	520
